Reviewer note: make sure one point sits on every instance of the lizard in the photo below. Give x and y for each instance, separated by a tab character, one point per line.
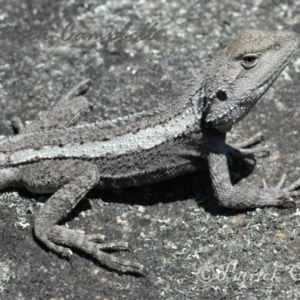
54	155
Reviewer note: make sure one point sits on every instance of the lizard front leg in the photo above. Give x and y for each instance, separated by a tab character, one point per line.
239	197
63	114
70	180
245	197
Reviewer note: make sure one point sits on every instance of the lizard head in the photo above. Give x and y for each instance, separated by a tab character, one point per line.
243	72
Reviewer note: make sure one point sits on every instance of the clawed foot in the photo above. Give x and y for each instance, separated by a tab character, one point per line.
65	113
240	150
284	196
93	244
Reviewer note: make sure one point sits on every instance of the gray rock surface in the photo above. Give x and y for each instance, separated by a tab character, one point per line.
175	227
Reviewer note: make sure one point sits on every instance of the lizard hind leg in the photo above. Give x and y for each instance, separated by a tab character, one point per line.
63	114
71	180
241	150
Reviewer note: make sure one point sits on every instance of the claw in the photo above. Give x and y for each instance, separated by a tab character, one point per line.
294	185
265	185
281	181
294	193
238	150
290	203
98	238
120	246
249	142
283	196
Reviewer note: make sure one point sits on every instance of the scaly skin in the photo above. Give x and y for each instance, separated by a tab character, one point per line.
52	155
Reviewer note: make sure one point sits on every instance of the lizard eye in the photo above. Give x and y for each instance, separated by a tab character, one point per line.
249	61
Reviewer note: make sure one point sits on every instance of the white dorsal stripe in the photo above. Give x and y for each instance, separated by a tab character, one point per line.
143	139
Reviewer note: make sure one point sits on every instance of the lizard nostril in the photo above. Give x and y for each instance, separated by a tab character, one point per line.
276	46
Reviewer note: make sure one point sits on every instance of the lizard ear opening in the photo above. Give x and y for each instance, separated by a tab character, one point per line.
221	95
